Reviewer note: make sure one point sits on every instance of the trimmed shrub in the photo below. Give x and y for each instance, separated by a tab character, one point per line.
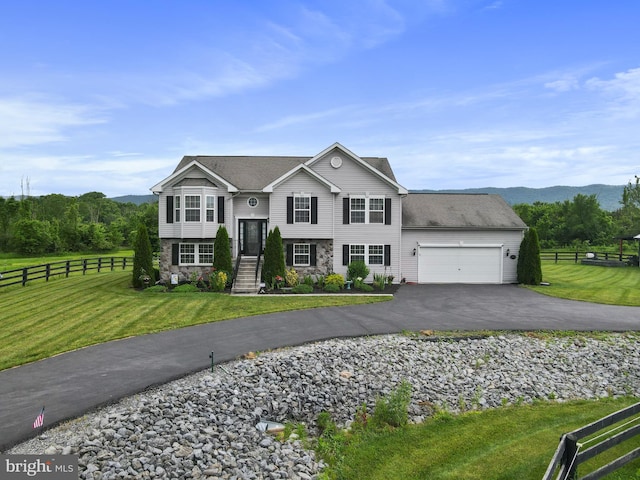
273	257
291	277
142	259
529	267
332	288
186	288
334	279
302	288
357	269
363	287
155	289
222	251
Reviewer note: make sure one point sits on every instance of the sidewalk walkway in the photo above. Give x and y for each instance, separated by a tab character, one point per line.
73	383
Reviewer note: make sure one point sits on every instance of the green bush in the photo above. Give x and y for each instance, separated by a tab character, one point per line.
302	288
334	279
142	259
363	287
357	269
392	410
320	279
222	251
308	280
291	277
186	288
155	289
273	257
529	267
379	281
332	288
218	281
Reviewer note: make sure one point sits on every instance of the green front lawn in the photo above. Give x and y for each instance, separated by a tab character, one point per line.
47	318
505	443
589	283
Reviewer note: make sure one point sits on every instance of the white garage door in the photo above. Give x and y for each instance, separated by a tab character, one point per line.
460	264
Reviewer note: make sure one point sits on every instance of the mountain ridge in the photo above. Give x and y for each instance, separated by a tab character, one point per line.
609	196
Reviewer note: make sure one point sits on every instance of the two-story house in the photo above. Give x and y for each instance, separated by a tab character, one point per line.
332	209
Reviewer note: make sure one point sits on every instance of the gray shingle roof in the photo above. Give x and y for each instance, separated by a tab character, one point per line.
255	172
455	210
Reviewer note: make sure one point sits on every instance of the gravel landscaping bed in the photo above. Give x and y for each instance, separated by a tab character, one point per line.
205	425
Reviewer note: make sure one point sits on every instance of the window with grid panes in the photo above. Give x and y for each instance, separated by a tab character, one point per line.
192	208
210	206
376	255
376	210
302	209
301	254
358	210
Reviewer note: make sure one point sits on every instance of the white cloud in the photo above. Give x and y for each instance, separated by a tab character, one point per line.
33	121
624	91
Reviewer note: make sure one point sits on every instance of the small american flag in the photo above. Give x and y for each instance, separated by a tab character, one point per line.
39	419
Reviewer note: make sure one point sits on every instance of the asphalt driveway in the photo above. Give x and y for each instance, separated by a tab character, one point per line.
74	383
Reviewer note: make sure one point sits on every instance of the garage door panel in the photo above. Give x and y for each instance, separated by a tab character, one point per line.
460	265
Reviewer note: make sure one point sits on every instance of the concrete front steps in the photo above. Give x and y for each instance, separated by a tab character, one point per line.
246	282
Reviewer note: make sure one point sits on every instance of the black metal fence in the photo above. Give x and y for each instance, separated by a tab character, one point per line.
64	267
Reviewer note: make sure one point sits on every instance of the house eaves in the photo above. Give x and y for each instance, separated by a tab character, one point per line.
302	167
366	164
157	188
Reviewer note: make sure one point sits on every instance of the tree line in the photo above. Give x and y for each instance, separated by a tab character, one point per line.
581	221
57	223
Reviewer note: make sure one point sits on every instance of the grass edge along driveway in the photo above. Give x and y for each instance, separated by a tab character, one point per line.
48	318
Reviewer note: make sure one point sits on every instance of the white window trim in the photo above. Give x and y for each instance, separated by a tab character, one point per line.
367	209
196	254
366	252
176	206
211	209
308	210
198	209
308	254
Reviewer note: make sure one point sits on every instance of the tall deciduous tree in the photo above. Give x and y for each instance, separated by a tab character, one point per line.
529	268
142	258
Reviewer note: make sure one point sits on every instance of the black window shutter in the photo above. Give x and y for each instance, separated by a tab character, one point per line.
387	255
387	211
220	209
345	254
345	211
169	208
175	253
314	210
289	209
289	259
312	255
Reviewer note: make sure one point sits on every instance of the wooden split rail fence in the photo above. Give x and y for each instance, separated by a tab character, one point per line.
568	456
65	267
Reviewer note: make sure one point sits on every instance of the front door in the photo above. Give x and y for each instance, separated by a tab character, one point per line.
251	232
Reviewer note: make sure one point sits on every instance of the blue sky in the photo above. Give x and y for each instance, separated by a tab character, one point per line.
109	95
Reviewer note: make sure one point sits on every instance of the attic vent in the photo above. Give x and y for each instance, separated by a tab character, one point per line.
336	162
252	202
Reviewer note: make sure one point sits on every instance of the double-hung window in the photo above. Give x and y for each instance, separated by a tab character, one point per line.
358	210
301	254
302	208
369	254
376	255
176	206
210	203
357	253
196	253
376	210
366	209
192	208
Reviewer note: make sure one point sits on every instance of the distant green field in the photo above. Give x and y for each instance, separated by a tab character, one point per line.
10	261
